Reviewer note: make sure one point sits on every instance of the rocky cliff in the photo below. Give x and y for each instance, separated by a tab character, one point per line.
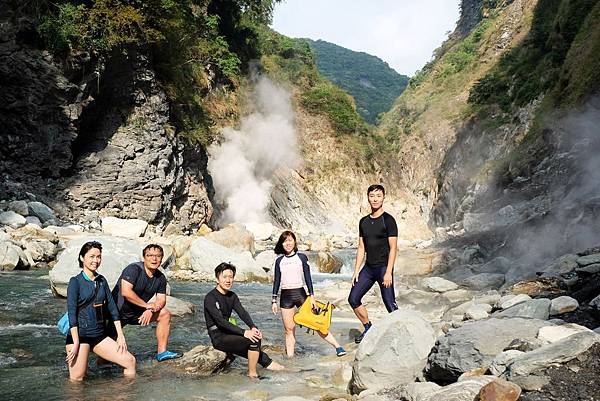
93	139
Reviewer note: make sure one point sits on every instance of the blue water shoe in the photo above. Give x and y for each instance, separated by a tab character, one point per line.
340	351
166	355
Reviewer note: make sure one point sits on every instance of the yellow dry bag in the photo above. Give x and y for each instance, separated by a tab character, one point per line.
319	319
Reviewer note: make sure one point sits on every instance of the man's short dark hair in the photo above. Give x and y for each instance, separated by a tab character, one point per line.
375	187
222	267
153	246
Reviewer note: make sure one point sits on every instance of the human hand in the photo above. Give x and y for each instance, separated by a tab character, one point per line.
252	335
387	280
72	353
354	278
274	308
121	344
145	318
313	303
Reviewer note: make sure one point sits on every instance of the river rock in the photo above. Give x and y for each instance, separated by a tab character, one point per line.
497	265
588	259
266	260
201	360
499	363
41	211
552	334
19	207
33	220
128	228
590	269
511	300
416	391
499	390
12	219
533	309
562	305
484	281
489	297
595	303
475	345
205	255
178	307
117	253
260	231
477	312
459	274
562	265
407	340
524	345
559	352
465	390
40	250
438	284
327	263
431	305
234	237
9	256
458	295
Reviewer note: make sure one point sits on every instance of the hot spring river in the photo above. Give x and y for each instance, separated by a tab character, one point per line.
32	351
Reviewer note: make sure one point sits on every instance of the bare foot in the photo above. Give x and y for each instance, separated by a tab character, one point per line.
276	366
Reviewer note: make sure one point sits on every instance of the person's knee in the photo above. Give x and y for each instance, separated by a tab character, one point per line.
289	331
164	315
130	361
354	300
255	346
76	377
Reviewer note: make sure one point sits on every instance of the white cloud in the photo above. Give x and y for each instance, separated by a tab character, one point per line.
404	33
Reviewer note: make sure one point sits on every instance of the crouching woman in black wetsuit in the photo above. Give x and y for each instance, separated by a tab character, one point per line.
87	293
228	337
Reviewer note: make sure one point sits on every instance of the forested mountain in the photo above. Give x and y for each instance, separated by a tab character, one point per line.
370	80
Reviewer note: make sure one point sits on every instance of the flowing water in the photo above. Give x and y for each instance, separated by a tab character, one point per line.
32	351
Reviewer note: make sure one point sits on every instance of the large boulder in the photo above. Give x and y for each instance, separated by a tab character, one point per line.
475	344
205	255
201	360
553	334
431	305
439	284
261	231
178	307
9	256
465	390
562	305
234	237
41	211
12	219
511	300
394	351
117	253
128	228
484	281
266	260
19	207
499	390
533	309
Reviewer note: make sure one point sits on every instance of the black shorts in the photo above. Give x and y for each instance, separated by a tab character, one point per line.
238	345
111	330
293	297
92	341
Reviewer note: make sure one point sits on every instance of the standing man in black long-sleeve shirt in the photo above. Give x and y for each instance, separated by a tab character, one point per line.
226	336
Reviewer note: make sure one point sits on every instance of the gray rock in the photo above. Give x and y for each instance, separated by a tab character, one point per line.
458	274
497	265
562	305
416	391
466	390
33	220
484	281
564	264
511	300
595	303
531	382
458	295
533	309
499	363
41	250
438	284
117	253
431	305
266	260
41	211
476	343
524	345
205	255
19	207
543	357
178	307
407	339
12	219
552	334
490	297
128	228
588	259
591	269
201	360
9	256
477	312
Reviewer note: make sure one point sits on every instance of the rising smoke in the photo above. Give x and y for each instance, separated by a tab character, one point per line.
243	164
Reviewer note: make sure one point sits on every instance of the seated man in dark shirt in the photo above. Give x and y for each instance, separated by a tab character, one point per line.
139	282
227	336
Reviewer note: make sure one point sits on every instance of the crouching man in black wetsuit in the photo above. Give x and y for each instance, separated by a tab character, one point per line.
226	336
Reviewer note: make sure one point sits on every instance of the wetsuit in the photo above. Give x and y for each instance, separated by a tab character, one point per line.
292	273
144	286
224	335
86	299
375	233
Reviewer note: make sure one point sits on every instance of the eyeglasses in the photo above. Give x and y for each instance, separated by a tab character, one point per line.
153	256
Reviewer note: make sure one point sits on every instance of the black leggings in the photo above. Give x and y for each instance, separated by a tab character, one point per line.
238	345
366	278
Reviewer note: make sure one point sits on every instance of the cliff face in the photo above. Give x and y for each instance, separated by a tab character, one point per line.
94	141
496	136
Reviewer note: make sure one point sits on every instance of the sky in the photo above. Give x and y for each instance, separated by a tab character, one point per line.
403	33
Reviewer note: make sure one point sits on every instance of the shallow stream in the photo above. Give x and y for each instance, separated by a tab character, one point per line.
32	351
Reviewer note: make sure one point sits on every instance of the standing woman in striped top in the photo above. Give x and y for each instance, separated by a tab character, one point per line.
292	274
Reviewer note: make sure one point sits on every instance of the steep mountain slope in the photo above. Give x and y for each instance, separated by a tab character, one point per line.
370	80
495	136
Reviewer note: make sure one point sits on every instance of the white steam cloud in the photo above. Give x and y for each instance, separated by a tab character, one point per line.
243	164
